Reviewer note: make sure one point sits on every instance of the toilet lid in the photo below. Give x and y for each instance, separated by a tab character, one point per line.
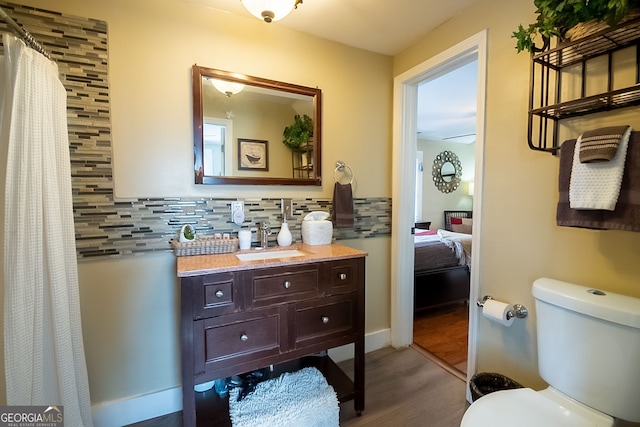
525	408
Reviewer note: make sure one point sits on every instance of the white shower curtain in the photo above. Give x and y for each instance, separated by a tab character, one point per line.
43	348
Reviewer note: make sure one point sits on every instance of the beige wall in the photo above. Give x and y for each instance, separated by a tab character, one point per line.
130	306
520	241
152	47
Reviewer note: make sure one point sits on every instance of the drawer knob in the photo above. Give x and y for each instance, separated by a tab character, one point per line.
287	284
325	319
342	276
219	294
244	337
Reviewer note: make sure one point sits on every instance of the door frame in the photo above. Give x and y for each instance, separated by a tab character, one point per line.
405	96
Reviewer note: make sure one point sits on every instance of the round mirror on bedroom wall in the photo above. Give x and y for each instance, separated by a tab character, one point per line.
446	171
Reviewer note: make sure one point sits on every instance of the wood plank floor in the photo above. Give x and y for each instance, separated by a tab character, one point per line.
444	333
403	389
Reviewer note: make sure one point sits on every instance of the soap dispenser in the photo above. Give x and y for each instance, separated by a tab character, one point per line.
284	235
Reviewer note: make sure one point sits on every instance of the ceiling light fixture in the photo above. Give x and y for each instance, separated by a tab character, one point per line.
270	10
226	87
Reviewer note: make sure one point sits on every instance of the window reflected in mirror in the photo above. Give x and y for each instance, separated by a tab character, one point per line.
217	146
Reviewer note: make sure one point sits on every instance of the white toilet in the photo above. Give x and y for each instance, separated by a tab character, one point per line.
588	353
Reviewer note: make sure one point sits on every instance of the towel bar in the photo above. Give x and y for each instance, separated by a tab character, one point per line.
342	167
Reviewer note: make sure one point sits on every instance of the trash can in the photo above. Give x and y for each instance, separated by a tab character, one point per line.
487	382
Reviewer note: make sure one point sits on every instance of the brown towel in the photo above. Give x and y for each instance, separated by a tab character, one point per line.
342	214
625	217
600	145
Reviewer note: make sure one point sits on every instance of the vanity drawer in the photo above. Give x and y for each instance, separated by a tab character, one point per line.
216	295
329	318
284	284
231	340
343	276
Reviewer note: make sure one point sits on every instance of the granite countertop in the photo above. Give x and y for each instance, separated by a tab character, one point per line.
206	264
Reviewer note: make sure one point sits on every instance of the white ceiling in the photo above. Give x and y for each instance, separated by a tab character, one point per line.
381	26
446	105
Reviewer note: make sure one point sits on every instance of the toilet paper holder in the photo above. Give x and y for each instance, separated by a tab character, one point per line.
519	310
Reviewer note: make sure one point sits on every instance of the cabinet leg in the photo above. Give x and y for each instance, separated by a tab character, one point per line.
189	410
358	399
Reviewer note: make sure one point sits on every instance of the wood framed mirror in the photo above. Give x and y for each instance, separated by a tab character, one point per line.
238	127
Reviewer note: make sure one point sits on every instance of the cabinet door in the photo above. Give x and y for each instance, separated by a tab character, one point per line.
326	320
343	276
216	295
226	341
284	284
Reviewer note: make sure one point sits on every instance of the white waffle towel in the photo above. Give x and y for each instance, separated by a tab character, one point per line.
597	185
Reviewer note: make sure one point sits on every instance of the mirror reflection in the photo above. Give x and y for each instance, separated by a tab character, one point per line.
239	130
448	172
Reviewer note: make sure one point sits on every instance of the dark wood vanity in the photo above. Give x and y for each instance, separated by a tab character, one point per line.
237	317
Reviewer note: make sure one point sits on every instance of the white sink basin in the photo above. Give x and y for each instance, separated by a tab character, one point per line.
262	255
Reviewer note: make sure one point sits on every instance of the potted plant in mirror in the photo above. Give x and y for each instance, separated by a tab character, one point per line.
556	17
298	134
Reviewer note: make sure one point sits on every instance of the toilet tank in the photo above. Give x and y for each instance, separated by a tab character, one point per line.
589	346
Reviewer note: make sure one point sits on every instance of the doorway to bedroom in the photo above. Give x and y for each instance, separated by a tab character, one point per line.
403	183
445	170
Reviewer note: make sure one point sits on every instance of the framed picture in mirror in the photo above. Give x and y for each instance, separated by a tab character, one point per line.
253	154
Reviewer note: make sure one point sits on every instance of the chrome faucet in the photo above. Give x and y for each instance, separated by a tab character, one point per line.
264	231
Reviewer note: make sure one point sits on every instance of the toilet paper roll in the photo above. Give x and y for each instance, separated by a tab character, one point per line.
497	312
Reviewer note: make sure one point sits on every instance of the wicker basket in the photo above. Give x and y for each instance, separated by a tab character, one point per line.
584	29
205	245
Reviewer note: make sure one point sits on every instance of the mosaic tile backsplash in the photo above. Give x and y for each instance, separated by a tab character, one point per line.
109	228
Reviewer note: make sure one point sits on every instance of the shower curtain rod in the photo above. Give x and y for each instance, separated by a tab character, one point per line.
24	34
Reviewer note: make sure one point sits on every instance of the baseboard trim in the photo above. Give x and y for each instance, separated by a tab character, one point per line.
372	341
137	408
143	407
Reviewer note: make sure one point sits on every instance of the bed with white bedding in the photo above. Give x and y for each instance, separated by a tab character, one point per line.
441	265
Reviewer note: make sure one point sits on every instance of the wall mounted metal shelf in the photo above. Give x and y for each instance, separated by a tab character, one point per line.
545	106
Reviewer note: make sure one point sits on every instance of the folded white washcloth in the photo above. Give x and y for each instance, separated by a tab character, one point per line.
597	185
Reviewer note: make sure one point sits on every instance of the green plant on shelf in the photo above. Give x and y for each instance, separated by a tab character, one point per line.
555	17
299	132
